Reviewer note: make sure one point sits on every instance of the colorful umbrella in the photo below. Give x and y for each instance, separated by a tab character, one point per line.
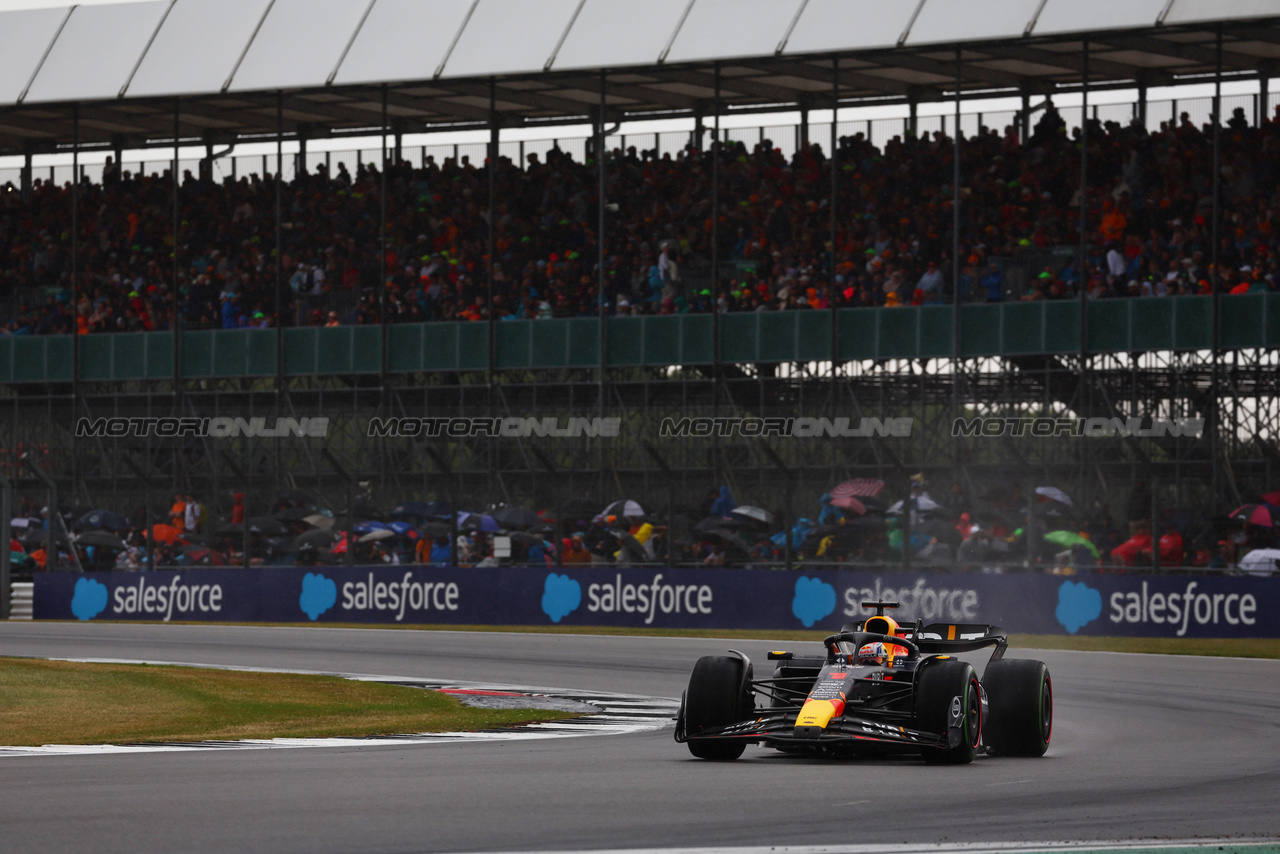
1067	539
1052	493
1256	514
759	514
848	502
626	507
166	534
1261	562
860	487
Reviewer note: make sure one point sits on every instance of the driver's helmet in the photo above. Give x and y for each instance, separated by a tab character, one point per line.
872	653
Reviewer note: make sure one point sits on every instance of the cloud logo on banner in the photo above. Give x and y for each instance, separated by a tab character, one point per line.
90	599
561	596
814	600
1078	605
318	594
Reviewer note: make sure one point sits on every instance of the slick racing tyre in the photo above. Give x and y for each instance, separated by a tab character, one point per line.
719	694
1020	707
938	684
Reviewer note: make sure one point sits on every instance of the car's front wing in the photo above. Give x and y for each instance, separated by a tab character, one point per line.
777	727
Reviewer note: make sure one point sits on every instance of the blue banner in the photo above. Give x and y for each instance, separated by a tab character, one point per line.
1134	605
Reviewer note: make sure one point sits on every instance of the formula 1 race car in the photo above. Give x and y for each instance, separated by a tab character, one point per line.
880	689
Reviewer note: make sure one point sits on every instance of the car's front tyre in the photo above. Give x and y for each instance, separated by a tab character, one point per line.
938	685
719	694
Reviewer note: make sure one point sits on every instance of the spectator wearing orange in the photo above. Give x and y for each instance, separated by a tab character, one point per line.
178	512
576	554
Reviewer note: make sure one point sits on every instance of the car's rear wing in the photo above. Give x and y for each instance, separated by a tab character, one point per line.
959	637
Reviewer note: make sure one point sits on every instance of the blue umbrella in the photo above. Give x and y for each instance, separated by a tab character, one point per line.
102	520
403	529
478	522
366	527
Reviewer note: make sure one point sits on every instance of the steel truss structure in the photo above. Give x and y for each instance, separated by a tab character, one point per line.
1234	392
1234	459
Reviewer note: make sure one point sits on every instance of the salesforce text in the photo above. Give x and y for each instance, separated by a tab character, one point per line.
417	595
1177	609
648	598
161	599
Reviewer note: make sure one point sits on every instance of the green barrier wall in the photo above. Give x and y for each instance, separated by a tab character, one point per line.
1001	329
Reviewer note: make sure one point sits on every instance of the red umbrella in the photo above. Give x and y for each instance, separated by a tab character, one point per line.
863	487
163	533
1255	514
848	502
1272	498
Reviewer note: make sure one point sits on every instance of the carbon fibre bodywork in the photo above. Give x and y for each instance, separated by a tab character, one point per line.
833	704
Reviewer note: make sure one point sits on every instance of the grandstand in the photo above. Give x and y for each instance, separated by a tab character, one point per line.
843	243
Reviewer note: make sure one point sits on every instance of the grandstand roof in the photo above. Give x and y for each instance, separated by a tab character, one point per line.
226	59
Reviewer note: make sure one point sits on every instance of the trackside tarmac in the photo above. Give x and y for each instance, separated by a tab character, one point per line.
1144	748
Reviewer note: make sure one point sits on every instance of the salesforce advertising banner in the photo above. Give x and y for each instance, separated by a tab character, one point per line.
1147	606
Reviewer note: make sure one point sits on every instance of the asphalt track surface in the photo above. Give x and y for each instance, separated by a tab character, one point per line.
1143	747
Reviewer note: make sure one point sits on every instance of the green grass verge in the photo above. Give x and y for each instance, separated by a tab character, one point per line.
62	702
1229	647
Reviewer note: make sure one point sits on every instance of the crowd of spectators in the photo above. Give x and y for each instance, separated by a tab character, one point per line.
1149	228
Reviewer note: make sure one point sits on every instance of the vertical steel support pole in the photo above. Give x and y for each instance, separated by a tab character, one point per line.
1083	262
600	314
715	230
75	302
1085	381
6	535
493	189
279	301
955	202
601	320
716	374
833	293
174	303
382	250
279	278
491	170
956	301
1216	417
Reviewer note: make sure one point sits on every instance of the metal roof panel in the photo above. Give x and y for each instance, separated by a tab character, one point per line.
28	34
403	40
509	37
96	52
596	39
197	47
833	25
947	21
299	44
723	29
1078	16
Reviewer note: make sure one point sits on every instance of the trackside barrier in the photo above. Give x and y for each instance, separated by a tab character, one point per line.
23	593
1144	606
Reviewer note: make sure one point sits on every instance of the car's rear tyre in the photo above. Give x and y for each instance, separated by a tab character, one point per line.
719	694
937	684
1020	707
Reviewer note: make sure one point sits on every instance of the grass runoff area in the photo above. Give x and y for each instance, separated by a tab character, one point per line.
1219	647
63	702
